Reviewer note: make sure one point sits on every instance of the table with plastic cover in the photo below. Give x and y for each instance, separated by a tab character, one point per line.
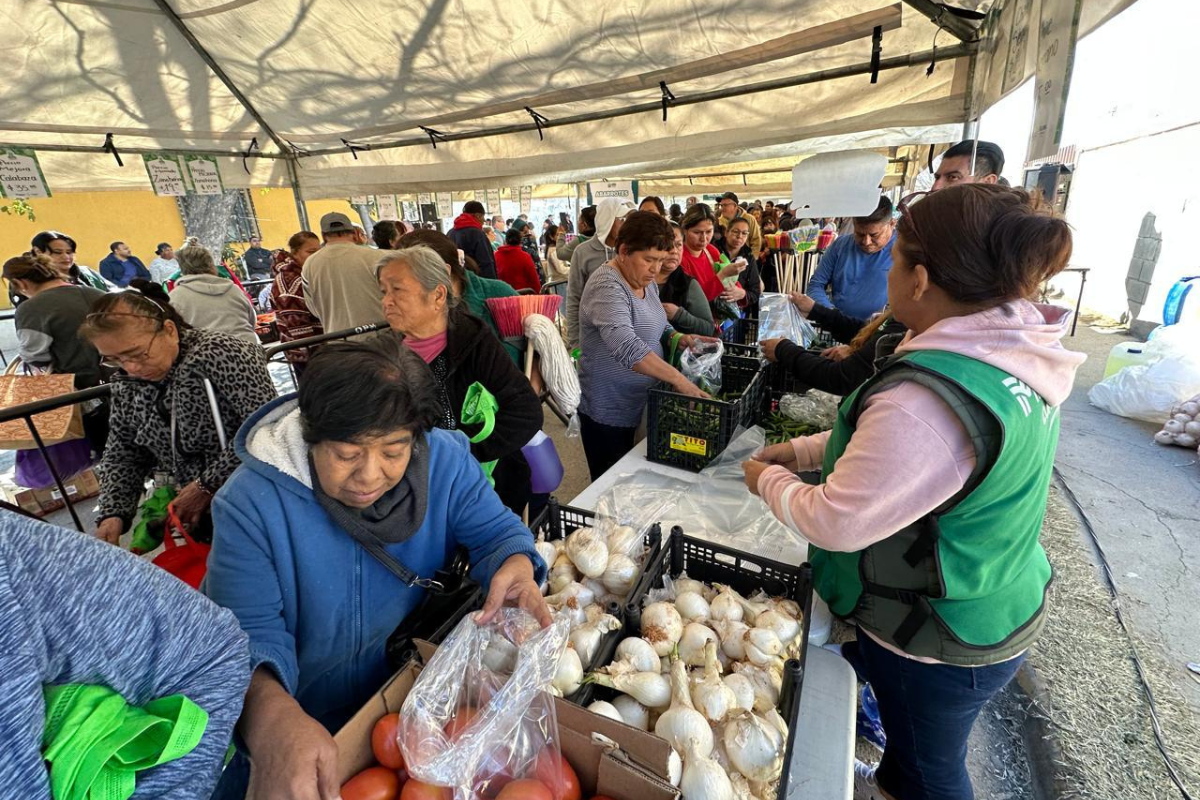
823	761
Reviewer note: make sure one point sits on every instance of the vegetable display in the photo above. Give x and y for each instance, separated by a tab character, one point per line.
388	780
1183	428
705	675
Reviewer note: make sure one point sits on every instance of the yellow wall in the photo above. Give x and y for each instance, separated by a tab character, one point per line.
94	220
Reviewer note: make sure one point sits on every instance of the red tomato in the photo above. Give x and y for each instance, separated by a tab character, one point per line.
546	770
373	783
415	790
525	790
465	716
384	743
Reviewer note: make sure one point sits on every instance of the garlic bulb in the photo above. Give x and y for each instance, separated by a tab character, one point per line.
711	696
605	709
685	584
755	747
620	574
576	595
731	632
570	672
634	713
662	627
703	778
638	654
725	606
762	646
588	552
682	725
693	641
586	637
691	607
743	690
547	551
562	573
767	684
648	688
623	540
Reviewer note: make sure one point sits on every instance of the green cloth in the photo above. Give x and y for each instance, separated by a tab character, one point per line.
986	578
96	743
148	533
475	295
479	408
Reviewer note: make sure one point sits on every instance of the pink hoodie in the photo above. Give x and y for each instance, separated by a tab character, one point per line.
909	453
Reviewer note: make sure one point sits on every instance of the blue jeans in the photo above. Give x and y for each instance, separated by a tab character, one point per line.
927	711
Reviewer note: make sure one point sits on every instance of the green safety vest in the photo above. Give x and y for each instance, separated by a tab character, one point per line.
967	583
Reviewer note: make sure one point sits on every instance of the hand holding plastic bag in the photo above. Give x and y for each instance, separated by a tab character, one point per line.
701	364
478	716
778	318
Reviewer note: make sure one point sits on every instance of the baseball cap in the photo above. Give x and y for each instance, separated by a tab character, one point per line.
335	222
730	196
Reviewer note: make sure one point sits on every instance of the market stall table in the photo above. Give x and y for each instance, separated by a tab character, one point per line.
823	764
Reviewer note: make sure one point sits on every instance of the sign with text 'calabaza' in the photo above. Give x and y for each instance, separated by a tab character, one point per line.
20	174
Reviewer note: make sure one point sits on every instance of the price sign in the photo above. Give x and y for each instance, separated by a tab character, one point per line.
445	205
1057	32
386	205
21	174
166	174
205	174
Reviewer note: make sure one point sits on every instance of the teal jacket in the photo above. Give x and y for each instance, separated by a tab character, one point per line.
476	292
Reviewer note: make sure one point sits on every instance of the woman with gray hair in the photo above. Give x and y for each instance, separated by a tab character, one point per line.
206	300
421	306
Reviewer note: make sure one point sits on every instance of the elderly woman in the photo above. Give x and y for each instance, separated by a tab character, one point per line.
682	298
622	326
292	317
420	304
348	503
206	300
162	422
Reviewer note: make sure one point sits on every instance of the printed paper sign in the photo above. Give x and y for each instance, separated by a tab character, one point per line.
526	199
493	201
411	212
360	200
385	204
20	174
622	190
166	174
445	204
205	174
1057	32
425	199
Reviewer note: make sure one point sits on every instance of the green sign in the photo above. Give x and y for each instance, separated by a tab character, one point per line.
166	174
205	174
21	174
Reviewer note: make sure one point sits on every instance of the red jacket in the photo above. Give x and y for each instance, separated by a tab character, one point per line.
515	267
292	317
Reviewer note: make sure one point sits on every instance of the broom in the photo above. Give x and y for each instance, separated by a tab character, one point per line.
510	313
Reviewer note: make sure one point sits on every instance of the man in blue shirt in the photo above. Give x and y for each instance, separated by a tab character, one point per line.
855	268
121	266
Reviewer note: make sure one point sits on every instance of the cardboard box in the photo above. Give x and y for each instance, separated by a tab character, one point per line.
636	771
24	499
79	487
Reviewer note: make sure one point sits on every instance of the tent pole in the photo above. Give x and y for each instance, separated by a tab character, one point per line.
301	209
220	73
86	148
922	58
956	26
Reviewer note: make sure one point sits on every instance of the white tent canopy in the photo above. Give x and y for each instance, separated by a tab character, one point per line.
304	78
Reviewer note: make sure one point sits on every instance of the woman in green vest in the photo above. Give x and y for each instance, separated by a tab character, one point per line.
924	528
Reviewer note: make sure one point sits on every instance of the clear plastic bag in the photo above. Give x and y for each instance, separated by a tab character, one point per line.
574	430
701	364
1149	391
478	716
814	407
779	319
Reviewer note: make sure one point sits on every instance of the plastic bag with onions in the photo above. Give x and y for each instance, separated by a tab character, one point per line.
478	715
1183	426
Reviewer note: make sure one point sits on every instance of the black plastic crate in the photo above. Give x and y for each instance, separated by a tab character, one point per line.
689	432
746	573
743	330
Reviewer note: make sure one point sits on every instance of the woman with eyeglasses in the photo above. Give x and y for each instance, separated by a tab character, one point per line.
162	423
925	525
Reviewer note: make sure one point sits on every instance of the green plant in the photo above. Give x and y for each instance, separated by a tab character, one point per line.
19	208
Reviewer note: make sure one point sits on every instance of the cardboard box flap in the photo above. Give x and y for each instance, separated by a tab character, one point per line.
621	779
644	749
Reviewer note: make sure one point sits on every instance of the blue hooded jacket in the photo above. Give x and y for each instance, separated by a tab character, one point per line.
317	606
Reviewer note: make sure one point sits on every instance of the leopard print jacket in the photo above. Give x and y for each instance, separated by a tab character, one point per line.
140	439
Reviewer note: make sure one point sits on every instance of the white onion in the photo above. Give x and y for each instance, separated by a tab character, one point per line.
547	551
755	747
704	779
570	672
1182	418
766	682
562	573
743	690
1184	440
634	713
682	725
623	540
674	767
691	606
731	632
1164	437
620	574
693	641
588	552
1191	408
1192	428
725	606
661	627
1173	426
685	584
575	595
605	709
637	653
711	696
784	627
649	688
741	786
586	638
762	646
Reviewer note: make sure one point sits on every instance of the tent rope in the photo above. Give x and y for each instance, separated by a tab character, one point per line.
434	135
354	148
668	98
246	155
876	52
109	147
538	120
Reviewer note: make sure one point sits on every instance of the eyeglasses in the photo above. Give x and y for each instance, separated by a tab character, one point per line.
905	205
121	361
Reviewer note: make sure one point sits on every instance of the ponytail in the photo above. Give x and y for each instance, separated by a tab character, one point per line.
30	267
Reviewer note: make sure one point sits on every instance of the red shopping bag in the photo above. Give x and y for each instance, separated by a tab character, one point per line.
188	561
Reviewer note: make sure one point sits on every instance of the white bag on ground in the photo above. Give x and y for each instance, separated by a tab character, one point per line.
1149	391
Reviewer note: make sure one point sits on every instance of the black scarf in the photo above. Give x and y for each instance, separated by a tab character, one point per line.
394	517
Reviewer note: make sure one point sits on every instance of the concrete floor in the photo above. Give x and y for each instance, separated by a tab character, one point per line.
1143	501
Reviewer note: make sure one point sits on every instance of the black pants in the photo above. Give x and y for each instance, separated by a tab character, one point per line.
604	445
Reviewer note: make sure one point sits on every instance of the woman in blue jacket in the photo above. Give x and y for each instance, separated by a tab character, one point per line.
352	462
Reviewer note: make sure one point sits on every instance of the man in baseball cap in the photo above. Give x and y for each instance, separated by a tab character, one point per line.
728	210
591	255
339	279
